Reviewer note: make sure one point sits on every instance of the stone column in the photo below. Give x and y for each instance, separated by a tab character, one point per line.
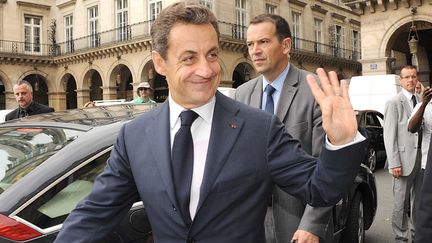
376	66
83	96
10	101
57	100
109	93
226	83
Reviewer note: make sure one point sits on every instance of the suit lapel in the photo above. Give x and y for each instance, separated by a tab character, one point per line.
289	89
226	127
162	151
256	96
405	103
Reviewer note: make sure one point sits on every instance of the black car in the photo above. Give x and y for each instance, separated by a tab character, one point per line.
372	121
48	163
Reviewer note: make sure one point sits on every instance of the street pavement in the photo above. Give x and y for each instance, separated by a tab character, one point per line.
381	231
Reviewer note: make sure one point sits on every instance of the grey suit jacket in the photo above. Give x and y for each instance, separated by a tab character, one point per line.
249	150
301	115
401	145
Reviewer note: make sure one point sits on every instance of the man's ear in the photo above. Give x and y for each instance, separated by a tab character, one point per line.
159	63
286	44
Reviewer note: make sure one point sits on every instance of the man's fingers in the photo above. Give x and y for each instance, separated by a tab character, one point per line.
315	88
334	81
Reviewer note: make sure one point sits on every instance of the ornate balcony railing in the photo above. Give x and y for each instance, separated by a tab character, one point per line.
141	31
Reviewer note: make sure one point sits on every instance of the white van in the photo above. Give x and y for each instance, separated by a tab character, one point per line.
371	92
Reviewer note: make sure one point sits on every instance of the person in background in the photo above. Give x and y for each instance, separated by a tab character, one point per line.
23	92
211	162
89	104
403	154
419	89
144	90
269	44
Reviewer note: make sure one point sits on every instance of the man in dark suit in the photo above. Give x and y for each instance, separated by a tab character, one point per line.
23	92
269	44
239	152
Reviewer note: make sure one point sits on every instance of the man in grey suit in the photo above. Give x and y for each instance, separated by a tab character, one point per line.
238	152
269	43
403	154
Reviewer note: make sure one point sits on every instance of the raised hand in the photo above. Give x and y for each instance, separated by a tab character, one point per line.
338	117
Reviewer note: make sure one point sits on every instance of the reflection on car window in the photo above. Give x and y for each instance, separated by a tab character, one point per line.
54	206
23	149
372	120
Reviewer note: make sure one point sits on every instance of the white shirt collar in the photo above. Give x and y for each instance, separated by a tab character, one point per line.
205	111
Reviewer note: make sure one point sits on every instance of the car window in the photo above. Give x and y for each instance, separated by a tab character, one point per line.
372	120
22	149
54	206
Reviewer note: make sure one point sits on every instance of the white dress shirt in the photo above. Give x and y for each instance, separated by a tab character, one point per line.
200	130
426	130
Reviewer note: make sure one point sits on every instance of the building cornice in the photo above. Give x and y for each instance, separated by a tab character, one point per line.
324	60
66	4
318	8
338	16
324	2
298	3
33	5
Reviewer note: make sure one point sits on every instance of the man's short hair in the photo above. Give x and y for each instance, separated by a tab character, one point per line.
409	67
282	27
27	83
179	13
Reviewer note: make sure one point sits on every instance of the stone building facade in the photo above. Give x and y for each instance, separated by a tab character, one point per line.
74	51
386	27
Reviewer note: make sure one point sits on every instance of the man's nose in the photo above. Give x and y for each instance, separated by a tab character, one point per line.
205	68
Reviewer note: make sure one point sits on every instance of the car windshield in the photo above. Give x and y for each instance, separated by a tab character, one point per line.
22	149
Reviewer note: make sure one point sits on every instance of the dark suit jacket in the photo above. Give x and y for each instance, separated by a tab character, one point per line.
34	109
249	150
301	115
423	226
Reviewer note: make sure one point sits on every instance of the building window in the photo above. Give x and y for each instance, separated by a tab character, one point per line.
270	8
155	8
296	30
123	32
68	21
338	42
239	29
207	3
318	35
32	34
93	16
355	45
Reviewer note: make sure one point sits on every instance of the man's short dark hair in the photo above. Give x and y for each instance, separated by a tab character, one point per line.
27	83
409	67
282	27
178	13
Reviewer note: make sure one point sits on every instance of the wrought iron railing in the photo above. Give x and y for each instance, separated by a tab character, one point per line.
141	30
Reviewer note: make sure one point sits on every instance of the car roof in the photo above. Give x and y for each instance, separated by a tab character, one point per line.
83	118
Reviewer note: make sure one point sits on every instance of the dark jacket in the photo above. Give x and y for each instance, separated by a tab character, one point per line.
33	109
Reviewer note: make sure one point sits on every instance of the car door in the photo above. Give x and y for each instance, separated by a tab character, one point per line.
47	212
374	123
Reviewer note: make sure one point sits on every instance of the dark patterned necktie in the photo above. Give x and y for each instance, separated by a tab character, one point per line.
414	100
182	163
269	107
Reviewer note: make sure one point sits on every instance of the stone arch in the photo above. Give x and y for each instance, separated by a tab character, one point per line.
242	73
121	75
68	85
39	81
92	82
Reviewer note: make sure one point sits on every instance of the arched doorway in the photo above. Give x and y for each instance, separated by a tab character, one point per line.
242	73
95	83
70	89
124	82
2	95
40	89
399	50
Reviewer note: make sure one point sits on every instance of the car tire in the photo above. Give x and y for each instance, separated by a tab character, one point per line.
372	159
355	231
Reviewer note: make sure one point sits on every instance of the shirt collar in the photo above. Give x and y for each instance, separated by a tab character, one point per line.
205	111
408	94
279	81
